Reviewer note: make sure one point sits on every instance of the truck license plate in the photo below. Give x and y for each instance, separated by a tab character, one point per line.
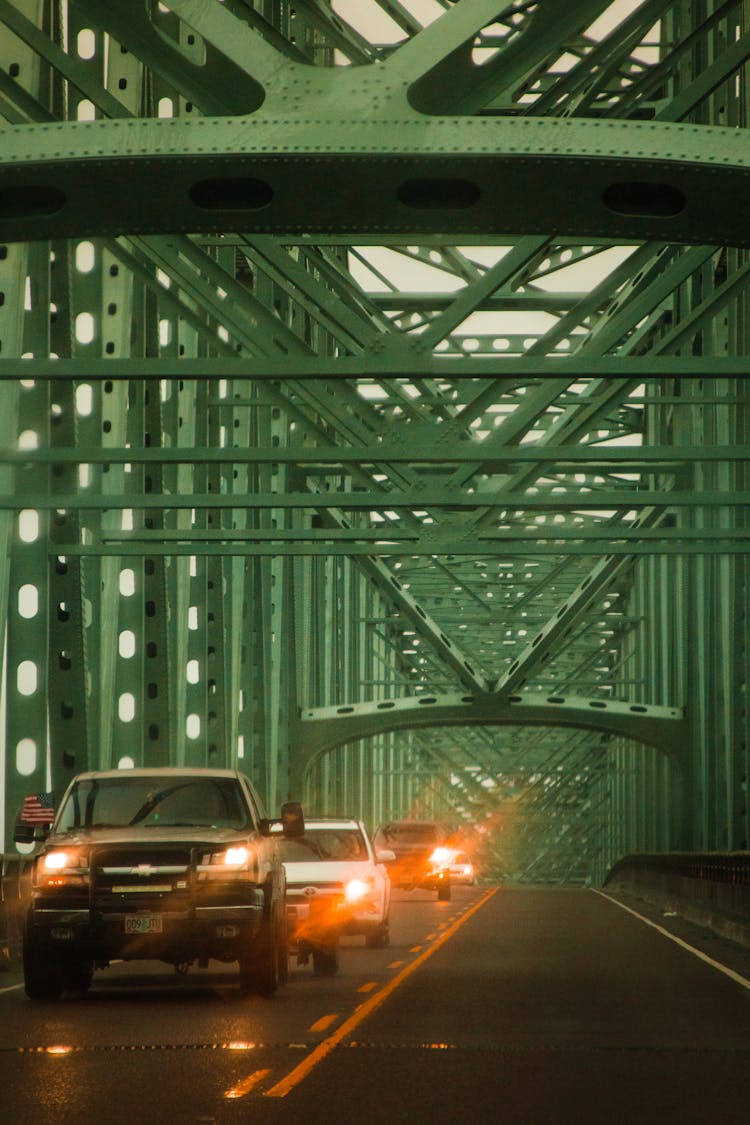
143	924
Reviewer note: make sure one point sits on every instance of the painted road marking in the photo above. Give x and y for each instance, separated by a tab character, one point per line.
323	1023
415	949
301	1071
678	941
368	987
246	1085
395	964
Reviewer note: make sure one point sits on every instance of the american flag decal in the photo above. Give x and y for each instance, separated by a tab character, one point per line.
38	809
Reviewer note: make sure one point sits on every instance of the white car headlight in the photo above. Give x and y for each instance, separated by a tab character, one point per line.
356	889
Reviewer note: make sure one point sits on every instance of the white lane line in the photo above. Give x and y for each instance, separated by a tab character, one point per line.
736	977
11	988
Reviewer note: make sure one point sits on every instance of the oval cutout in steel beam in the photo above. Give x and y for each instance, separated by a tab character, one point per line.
233	193
438	194
30	201
649	200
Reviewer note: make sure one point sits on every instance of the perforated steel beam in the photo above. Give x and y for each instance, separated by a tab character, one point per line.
320	729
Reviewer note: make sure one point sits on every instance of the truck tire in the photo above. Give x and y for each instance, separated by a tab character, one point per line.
444	892
42	975
263	965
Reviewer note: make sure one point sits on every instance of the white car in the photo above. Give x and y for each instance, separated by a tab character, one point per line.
461	869
336	885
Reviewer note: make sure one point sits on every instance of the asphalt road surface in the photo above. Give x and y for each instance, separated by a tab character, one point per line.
526	1006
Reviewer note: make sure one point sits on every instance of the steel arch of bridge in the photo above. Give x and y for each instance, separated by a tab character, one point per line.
322	729
358	355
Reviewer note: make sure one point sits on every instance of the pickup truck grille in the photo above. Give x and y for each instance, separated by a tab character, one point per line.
130	879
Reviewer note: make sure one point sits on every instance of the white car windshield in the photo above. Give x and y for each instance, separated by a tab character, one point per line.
324	844
154	802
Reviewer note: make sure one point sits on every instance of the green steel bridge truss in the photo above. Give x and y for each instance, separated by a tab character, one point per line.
375	409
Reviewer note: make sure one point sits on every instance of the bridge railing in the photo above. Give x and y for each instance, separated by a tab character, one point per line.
709	888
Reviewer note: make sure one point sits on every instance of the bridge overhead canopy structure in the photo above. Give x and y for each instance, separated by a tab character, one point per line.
361	361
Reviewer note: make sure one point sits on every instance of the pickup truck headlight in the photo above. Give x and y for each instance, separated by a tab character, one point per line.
62	867
239	855
235	857
238	859
442	857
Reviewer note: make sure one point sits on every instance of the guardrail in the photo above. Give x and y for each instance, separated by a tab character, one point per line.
709	888
13	890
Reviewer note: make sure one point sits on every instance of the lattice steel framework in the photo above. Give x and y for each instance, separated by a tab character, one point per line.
375	404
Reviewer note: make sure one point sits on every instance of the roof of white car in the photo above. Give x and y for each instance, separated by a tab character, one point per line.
329	822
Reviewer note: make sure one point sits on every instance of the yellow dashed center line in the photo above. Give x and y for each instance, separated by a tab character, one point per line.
368	987
301	1071
323	1023
416	949
393	965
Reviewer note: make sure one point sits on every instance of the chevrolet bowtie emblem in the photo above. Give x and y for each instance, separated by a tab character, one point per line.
309	892
142	869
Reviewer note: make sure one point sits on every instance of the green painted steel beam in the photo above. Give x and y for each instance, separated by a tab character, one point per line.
440	448
503	177
411	360
447	546
320	729
549	499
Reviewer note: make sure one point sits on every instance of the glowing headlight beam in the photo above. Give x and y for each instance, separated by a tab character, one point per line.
355	890
56	861
235	857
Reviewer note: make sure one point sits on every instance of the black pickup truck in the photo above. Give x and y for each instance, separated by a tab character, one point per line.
177	865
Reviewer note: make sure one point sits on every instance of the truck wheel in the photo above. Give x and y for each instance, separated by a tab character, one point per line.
325	961
42	976
444	892
261	967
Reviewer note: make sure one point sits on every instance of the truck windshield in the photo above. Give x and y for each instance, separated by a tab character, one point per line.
154	802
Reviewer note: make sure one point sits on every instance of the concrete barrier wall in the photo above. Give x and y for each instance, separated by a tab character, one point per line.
709	888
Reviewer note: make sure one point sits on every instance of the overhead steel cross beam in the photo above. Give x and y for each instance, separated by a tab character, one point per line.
319	729
404	360
627	181
404	169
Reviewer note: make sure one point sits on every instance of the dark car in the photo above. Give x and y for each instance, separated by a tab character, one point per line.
177	865
423	854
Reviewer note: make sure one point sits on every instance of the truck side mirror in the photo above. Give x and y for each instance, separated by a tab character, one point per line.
29	833
292	819
24	834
